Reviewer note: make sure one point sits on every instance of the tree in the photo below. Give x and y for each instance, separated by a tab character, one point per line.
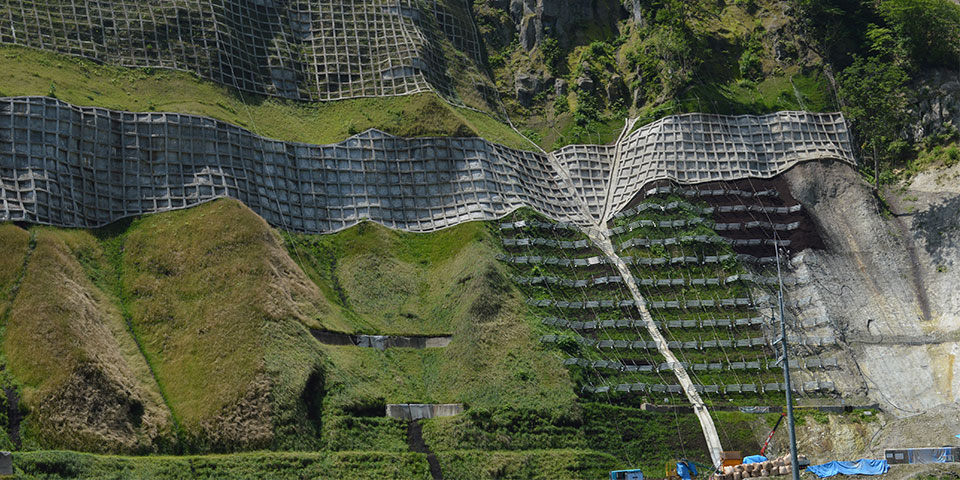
928	29
874	94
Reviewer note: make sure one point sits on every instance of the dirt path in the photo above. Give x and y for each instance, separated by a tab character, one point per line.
602	241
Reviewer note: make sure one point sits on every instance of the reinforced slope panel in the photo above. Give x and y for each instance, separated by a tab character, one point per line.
699	147
86	167
316	50
589	168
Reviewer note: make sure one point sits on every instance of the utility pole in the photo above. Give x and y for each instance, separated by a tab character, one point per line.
794	463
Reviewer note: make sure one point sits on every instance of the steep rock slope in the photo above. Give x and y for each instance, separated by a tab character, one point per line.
887	284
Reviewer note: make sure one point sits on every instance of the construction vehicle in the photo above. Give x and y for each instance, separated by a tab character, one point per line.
763	450
634	474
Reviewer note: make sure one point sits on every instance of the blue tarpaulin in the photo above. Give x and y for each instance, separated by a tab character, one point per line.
863	466
754	459
685	470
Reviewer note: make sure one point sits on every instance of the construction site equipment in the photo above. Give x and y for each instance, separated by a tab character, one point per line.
731	458
769	437
634	474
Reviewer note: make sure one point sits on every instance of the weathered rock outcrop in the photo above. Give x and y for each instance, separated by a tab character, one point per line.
535	19
886	282
935	102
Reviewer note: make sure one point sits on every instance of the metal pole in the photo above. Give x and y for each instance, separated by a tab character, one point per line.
794	463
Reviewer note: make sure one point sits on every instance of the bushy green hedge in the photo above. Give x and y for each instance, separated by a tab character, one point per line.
468	464
342	465
531	464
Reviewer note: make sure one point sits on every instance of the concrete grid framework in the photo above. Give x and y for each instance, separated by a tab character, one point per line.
315	50
86	167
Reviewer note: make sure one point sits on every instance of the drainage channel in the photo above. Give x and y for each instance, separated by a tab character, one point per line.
415	440
601	238
381	342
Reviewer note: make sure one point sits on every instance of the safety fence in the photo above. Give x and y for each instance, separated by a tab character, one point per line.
617	366
805	387
629	260
656	282
546	242
671	324
651	345
656	304
715	239
716	192
663	207
538	224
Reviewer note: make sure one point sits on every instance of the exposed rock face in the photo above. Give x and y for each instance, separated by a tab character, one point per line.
616	89
534	19
935	102
886	284
585	83
526	86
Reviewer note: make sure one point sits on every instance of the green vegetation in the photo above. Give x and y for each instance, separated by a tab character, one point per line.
191	329
83	82
569	347
634	437
346	465
448	282
881	50
17	245
501	465
80	356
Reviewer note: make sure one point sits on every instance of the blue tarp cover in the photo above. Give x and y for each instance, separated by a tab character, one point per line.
863	466
754	459
685	470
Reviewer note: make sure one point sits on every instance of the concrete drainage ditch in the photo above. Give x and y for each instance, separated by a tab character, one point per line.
381	342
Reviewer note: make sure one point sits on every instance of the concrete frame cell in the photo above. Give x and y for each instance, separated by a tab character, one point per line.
86	167
311	50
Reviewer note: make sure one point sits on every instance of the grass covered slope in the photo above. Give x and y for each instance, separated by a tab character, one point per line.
210	319
25	71
194	326
221	314
185	331
66	343
443	283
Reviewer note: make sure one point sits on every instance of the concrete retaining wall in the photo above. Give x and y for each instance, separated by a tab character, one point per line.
86	167
418	411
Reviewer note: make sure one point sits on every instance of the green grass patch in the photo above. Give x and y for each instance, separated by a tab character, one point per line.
808	91
635	438
27	71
